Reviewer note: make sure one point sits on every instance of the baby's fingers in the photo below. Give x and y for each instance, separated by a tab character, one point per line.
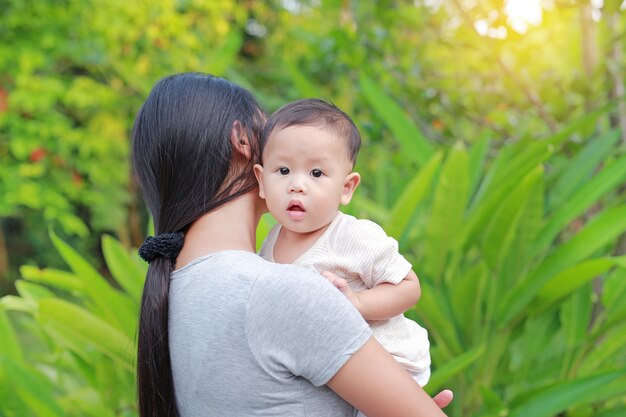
335	280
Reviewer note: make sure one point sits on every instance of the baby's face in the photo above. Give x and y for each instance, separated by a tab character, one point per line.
306	175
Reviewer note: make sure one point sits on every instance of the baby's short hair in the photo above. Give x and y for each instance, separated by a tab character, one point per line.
315	112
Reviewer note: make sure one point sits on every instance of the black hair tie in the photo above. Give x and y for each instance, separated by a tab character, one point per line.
165	245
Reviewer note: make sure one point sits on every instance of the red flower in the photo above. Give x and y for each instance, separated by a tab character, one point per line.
37	155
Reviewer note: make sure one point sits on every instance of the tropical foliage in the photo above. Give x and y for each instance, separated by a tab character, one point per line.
493	152
84	332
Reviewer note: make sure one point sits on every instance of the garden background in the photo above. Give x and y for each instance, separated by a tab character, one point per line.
494	151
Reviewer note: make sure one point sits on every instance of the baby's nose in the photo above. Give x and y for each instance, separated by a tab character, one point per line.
296	188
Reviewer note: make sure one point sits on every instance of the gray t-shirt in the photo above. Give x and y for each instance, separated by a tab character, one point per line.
252	338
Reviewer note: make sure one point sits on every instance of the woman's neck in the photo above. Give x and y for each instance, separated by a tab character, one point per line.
230	227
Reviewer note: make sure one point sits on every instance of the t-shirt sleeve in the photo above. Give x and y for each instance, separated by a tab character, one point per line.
363	247
298	324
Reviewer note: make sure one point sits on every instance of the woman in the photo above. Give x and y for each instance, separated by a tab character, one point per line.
223	332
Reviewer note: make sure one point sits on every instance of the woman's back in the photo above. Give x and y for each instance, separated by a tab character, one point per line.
252	338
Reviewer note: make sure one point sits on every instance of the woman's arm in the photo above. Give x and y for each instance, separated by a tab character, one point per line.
375	384
383	301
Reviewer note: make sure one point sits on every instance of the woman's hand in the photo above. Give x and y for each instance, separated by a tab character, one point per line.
444	398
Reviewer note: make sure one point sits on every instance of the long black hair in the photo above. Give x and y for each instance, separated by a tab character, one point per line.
182	157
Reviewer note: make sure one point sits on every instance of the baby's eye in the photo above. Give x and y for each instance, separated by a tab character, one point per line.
283	171
316	173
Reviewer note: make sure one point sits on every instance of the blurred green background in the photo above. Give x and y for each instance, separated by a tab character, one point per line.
494	151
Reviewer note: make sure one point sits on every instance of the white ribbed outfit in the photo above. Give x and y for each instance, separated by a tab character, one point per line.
361	252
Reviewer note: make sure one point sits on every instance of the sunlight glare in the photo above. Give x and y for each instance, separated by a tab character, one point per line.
522	13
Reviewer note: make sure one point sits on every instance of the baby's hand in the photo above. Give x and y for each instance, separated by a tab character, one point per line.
342	285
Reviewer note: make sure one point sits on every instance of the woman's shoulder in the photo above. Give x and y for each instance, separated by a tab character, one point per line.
250	267
238	261
290	278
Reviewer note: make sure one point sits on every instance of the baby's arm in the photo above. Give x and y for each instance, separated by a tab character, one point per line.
383	301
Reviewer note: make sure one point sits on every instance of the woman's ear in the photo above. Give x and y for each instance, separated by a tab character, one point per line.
349	185
239	140
258	173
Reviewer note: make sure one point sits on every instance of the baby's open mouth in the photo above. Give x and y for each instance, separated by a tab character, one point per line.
295	206
296	211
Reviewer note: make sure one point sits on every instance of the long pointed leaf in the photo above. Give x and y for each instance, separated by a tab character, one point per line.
446	218
113	306
124	270
432	308
414	143
411	197
564	395
88	328
31	388
10	346
444	373
607	180
569	280
500	185
62	280
600	231
501	230
477	155
581	167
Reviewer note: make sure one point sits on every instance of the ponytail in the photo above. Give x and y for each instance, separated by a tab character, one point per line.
154	370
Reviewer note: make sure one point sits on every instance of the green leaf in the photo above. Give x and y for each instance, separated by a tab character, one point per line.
124	270
477	155
446	372
469	309
433	309
412	195
574	315
572	278
600	231
519	259
613	412
586	196
112	305
497	186
579	123
612	343
224	55
265	225
581	167
414	143
301	81
564	395
446	218
10	346
14	303
31	291
87	328
88	402
374	211
32	389
62	280
501	230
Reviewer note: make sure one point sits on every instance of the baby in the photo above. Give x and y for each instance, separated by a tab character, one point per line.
309	151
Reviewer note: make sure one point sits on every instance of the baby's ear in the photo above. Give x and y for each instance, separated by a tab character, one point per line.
258	173
349	185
